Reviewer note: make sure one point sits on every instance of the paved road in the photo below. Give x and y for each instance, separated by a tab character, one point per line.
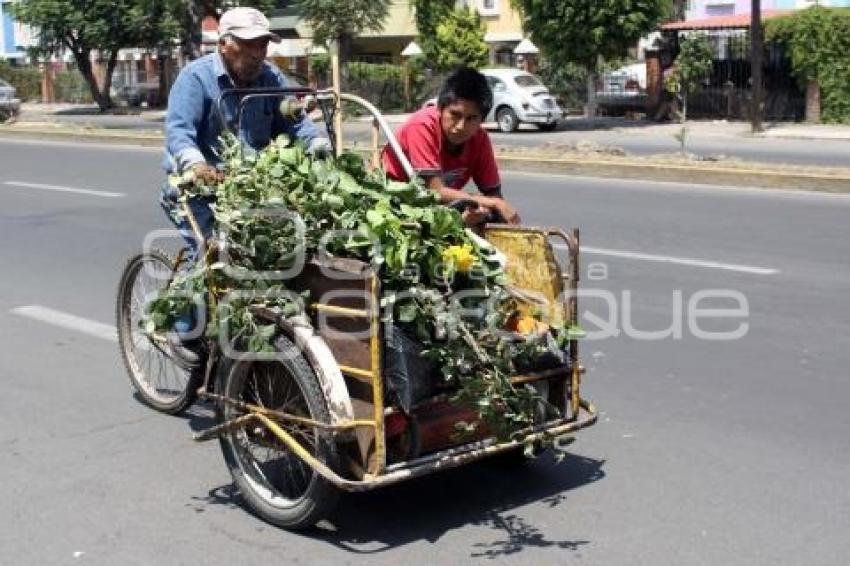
635	137
707	452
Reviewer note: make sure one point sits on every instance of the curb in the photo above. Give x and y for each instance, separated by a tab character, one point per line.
680	173
84	136
695	174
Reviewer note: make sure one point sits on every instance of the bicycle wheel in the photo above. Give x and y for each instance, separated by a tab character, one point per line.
161	382
278	486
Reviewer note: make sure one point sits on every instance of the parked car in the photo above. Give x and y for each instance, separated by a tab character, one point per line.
9	105
519	97
622	90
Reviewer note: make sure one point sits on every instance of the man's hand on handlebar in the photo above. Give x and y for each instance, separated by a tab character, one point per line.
502	209
474	215
207	174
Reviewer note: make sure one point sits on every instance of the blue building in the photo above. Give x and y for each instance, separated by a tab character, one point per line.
11	44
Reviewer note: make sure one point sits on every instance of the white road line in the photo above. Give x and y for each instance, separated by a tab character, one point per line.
61	189
677	260
69	321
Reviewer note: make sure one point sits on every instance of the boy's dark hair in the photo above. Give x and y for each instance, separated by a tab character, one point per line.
468	84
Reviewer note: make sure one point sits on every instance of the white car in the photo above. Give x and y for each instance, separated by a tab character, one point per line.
519	97
9	105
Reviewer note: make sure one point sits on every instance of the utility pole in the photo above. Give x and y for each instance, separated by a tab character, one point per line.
756	57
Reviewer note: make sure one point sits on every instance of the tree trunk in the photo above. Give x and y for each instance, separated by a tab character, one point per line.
192	36
344	42
813	107
83	59
99	93
756	59
591	106
163	60
107	79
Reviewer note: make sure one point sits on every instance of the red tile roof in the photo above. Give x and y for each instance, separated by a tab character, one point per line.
718	22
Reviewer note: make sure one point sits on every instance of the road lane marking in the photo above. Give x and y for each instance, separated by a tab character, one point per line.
69	321
60	189
676	260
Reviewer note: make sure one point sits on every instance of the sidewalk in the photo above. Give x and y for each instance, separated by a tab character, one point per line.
140	118
551	152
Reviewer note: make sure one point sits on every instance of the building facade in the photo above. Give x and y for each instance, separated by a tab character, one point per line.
11	41
704	9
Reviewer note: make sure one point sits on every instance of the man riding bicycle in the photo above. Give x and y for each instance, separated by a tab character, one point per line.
193	127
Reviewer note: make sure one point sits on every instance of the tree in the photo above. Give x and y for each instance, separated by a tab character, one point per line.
587	32
693	64
102	27
429	14
341	21
460	41
817	41
191	13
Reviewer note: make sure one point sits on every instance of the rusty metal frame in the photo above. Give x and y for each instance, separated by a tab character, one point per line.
582	413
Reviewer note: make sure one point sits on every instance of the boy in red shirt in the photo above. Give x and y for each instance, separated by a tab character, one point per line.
447	147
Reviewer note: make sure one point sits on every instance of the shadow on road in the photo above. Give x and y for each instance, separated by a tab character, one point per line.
482	494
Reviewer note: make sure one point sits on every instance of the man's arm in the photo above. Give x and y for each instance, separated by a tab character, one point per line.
186	108
301	128
448	194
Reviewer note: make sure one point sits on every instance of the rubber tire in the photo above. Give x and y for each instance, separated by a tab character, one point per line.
507	120
321	496
550	127
122	305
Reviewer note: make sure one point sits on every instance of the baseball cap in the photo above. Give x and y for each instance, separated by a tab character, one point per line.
245	23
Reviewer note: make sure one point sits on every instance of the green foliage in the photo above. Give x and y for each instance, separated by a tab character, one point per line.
71	87
460	41
81	26
449	36
383	84
321	68
693	62
331	19
567	82
587	31
27	80
429	14
818	41
436	277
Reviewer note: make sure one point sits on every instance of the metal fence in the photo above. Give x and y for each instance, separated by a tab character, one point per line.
726	91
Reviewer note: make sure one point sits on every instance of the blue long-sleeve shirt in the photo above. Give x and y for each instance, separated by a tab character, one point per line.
192	125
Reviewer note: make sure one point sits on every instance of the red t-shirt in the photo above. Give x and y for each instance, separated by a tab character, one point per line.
421	140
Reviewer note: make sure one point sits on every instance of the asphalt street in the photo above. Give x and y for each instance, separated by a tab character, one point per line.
634	137
706	452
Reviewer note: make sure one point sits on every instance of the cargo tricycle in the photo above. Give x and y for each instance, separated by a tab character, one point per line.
314	419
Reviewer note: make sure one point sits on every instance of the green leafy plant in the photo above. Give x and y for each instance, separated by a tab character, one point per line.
818	41
692	65
589	32
440	284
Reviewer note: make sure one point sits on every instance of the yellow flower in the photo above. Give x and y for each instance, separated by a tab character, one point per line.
460	256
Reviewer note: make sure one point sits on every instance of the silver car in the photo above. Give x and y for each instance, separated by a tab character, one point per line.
519	97
9	105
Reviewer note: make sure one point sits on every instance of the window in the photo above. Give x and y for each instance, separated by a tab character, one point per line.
526	81
488	7
495	84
